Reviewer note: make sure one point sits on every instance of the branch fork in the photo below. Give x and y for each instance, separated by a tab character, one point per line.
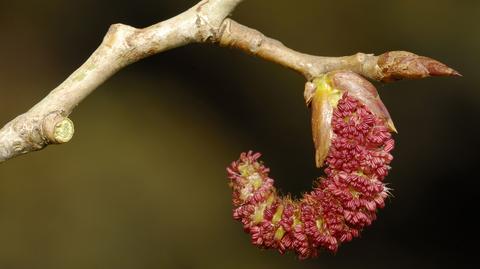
206	22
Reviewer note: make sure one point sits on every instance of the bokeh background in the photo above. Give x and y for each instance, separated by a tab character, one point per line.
143	182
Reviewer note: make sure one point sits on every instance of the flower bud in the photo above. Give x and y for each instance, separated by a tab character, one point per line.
324	98
342	203
352	135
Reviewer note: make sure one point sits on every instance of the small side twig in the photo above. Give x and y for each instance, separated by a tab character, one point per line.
386	67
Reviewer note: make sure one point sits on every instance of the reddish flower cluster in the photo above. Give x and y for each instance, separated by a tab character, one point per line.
340	205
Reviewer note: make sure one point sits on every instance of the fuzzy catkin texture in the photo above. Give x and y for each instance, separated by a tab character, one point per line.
340	205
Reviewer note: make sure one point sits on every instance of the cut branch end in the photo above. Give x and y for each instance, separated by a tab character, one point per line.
58	129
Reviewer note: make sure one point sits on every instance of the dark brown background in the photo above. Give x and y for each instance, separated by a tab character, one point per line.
142	184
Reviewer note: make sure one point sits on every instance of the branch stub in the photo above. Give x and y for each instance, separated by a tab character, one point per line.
58	129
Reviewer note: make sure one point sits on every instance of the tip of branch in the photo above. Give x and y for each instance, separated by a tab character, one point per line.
398	65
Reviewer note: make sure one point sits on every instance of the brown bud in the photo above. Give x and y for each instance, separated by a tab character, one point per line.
397	65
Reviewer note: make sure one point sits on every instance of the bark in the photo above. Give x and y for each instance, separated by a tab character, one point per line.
47	122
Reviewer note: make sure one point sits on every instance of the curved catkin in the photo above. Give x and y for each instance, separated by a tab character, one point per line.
340	205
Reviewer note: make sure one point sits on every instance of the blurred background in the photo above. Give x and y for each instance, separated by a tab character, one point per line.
143	182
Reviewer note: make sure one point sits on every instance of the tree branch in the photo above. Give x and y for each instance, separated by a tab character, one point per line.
387	67
47	122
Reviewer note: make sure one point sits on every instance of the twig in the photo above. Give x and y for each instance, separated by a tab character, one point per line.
47	122
387	67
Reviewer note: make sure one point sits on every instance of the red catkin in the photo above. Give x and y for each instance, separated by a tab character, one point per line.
341	204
